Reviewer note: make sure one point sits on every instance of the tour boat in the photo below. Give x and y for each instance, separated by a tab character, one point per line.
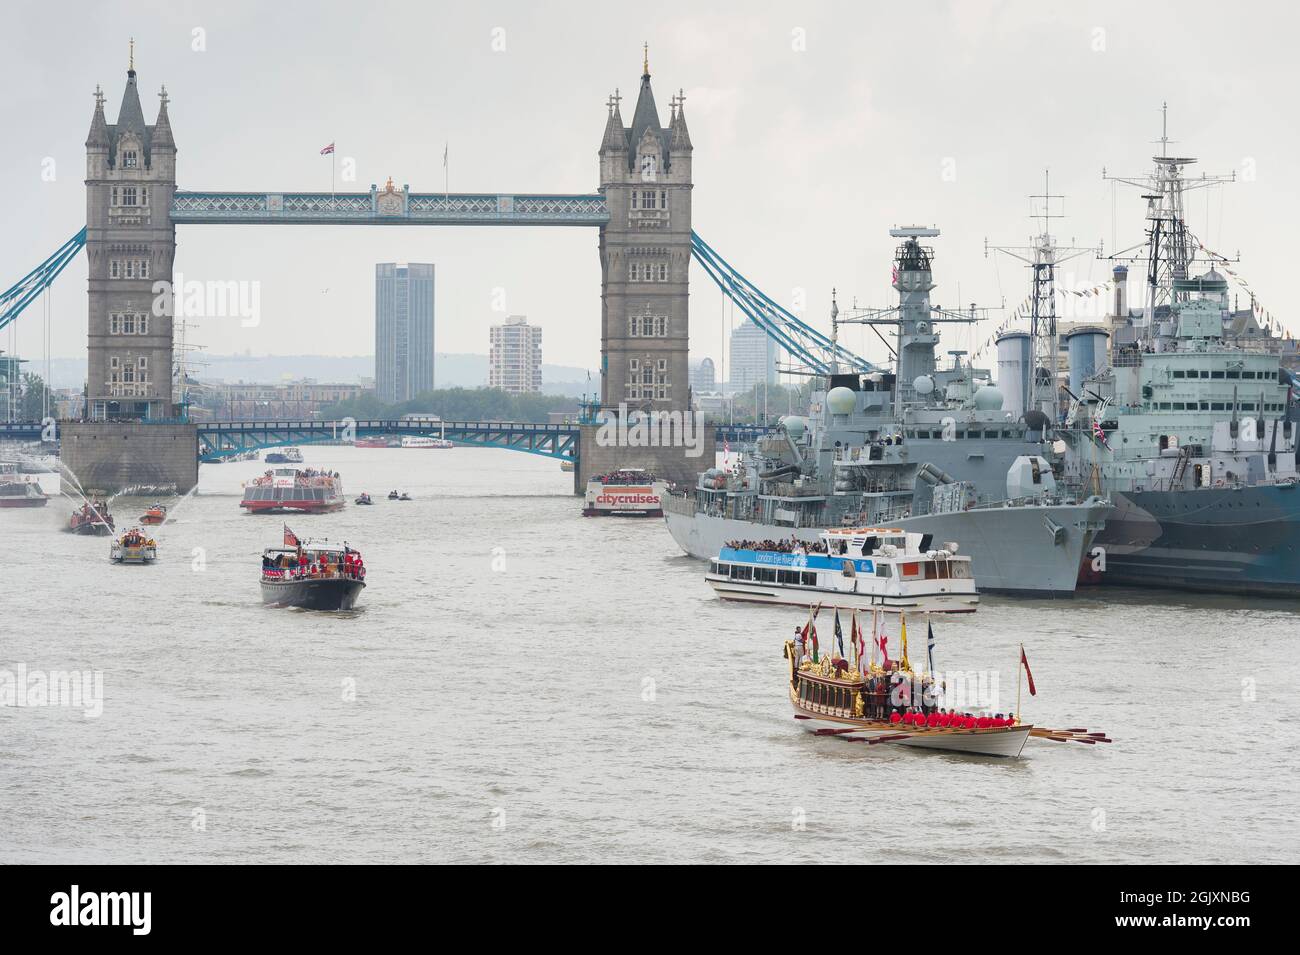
133	547
293	489
370	443
18	490
418	441
287	456
91	519
312	575
852	568
155	515
877	700
627	492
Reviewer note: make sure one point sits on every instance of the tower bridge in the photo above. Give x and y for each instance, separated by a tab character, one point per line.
641	209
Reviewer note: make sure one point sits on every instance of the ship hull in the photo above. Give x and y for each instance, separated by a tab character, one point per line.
330	593
1001	741
1212	540
753	592
1013	550
23	501
291	507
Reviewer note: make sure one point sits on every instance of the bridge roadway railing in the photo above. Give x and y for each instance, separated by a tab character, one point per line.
221	439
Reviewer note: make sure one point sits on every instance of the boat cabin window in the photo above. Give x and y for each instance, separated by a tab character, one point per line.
910	571
883	570
960	569
870	545
809	578
788	577
849	570
765	574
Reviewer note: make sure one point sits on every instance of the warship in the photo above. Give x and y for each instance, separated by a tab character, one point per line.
1191	434
927	450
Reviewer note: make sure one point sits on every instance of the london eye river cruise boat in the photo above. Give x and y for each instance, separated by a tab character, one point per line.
854	568
290	489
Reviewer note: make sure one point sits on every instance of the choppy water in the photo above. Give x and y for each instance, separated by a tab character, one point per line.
531	686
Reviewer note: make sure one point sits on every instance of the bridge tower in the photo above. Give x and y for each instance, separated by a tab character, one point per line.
130	245
645	257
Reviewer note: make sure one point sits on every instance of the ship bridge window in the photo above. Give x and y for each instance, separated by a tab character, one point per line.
1218	406
1216	374
1180	374
1247	374
1179	406
1234	374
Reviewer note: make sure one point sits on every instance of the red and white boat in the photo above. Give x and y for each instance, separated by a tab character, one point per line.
19	490
370	443
304	490
627	492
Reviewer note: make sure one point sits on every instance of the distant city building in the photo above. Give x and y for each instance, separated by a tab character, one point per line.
292	400
515	356
403	330
753	358
704	377
11	386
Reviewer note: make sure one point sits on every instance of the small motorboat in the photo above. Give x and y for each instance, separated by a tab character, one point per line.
155	515
404	497
133	547
363	498
393	496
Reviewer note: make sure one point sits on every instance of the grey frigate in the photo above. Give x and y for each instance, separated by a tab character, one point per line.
917	447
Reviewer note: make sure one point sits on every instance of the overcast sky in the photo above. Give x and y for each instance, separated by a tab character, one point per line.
816	126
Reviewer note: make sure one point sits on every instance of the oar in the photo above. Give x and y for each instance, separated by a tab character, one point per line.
889	739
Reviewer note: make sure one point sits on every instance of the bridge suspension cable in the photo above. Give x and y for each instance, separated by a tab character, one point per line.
803	342
13	300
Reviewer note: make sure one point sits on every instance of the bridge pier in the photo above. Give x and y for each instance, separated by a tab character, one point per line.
604	448
108	456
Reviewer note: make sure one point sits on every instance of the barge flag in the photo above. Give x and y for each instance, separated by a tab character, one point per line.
327	150
839	634
929	644
1025	663
290	538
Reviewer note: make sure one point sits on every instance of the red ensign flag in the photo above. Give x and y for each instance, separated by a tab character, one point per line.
1025	663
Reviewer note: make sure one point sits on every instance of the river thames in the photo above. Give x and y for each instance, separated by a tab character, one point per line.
521	684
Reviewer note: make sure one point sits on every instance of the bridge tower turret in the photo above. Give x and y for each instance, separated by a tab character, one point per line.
130	245
645	256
